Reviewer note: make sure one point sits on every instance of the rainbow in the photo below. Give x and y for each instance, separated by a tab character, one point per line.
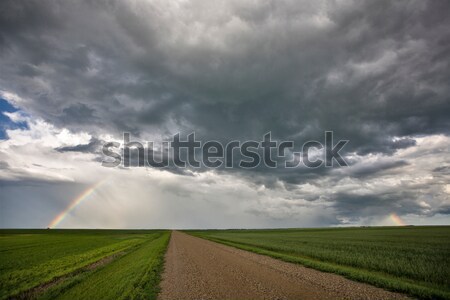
397	220
74	203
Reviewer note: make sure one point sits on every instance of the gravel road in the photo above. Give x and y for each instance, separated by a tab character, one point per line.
199	269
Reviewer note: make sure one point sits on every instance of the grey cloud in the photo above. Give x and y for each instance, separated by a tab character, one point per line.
445	210
376	205
423	199
267	67
93	146
78	114
4	165
442	170
374	168
374	72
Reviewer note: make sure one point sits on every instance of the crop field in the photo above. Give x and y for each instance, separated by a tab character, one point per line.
412	260
81	264
128	264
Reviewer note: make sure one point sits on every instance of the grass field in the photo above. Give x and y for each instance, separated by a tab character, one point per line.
81	264
413	260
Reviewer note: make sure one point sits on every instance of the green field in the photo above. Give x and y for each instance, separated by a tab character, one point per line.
126	264
413	260
81	264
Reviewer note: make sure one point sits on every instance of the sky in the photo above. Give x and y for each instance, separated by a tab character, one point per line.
77	74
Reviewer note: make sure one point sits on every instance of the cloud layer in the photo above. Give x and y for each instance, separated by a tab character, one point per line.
80	73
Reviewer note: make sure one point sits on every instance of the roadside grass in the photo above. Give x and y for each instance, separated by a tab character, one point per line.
136	275
411	260
30	258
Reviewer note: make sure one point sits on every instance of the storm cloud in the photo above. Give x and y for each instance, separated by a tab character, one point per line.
376	73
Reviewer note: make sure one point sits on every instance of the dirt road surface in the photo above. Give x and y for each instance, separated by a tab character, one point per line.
199	269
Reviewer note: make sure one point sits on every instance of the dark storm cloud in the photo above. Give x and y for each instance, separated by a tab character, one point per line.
78	113
374	72
367	70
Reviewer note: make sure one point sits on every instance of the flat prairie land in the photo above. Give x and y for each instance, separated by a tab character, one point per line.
411	260
81	264
368	263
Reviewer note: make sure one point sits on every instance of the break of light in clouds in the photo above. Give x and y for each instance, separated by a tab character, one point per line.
75	74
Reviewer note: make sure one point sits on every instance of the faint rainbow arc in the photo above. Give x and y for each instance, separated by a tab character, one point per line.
74	203
397	220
